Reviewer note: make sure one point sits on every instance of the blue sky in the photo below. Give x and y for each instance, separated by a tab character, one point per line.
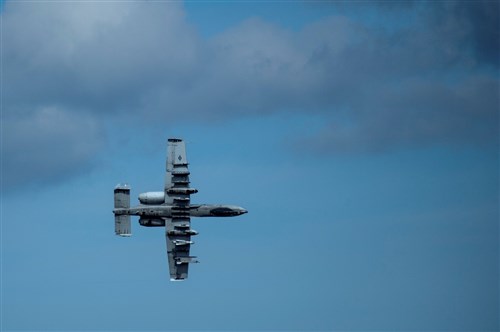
362	138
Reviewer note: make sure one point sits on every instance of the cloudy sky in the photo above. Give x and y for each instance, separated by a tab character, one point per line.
362	137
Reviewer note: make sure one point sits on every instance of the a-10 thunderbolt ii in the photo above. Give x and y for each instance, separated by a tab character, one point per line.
171	209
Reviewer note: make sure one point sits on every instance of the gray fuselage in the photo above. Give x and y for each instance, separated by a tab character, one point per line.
195	210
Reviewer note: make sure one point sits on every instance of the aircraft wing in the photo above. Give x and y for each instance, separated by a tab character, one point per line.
179	242
177	193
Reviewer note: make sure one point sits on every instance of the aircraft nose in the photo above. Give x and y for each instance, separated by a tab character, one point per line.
243	211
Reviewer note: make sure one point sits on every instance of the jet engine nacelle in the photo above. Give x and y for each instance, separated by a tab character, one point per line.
150	222
152	198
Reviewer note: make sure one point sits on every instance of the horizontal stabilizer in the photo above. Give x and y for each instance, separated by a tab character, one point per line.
122	201
122	196
122	225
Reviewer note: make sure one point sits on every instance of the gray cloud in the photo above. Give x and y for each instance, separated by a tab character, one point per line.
432	80
479	20
433	114
68	67
47	144
97	56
